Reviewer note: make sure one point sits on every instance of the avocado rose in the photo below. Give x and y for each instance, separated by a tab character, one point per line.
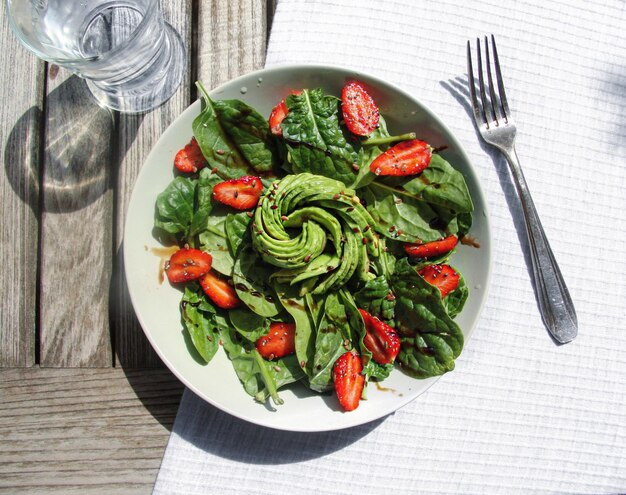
316	231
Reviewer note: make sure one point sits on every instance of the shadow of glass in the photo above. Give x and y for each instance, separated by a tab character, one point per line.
21	158
79	155
218	433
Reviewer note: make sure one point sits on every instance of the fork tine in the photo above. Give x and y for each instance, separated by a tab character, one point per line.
505	105
495	103
472	87
487	110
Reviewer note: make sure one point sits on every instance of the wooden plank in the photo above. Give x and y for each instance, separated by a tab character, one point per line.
137	134
20	117
76	226
232	39
84	431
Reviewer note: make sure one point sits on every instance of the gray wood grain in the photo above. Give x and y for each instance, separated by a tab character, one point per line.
136	136
84	430
76	225
232	39
20	116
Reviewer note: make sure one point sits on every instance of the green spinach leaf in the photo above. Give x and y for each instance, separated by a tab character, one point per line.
249	324
303	310
441	184
456	299
203	204
377	298
331	333
237	225
260	378
175	208
315	141
249	131
214	241
216	144
400	215
202	321
430	339
251	276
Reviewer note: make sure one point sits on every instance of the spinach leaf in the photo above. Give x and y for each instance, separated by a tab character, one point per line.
217	145
260	378
441	184
184	207
400	215
315	141
456	299
250	276
331	333
375	371
283	371
377	298
202	321
303	310
249	324
175	208
203	204
430	339
236	227
371	369
249	131
214	240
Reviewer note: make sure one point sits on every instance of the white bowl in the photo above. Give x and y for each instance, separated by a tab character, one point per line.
156	302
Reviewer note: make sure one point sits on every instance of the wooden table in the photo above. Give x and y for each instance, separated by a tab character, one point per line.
85	404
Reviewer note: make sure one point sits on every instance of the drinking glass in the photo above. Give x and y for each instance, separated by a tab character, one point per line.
131	59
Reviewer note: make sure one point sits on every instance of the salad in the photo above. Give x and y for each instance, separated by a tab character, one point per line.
315	246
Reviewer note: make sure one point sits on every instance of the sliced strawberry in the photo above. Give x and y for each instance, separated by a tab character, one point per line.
190	158
280	341
360	111
242	193
349	381
431	249
405	158
187	264
219	291
441	276
279	112
380	339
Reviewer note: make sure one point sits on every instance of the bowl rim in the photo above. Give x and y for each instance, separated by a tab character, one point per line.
343	70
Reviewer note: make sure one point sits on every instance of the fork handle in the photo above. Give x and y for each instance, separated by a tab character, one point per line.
555	303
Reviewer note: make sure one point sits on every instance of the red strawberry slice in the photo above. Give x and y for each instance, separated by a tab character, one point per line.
278	114
187	264
219	291
349	381
441	276
405	158
280	341
359	109
380	339
242	193
190	158
431	249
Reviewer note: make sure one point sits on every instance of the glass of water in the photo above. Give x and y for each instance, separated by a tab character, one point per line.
131	59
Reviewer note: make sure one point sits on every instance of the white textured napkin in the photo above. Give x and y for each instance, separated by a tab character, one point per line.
519	414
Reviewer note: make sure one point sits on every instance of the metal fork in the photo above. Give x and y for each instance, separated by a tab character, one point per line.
496	126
